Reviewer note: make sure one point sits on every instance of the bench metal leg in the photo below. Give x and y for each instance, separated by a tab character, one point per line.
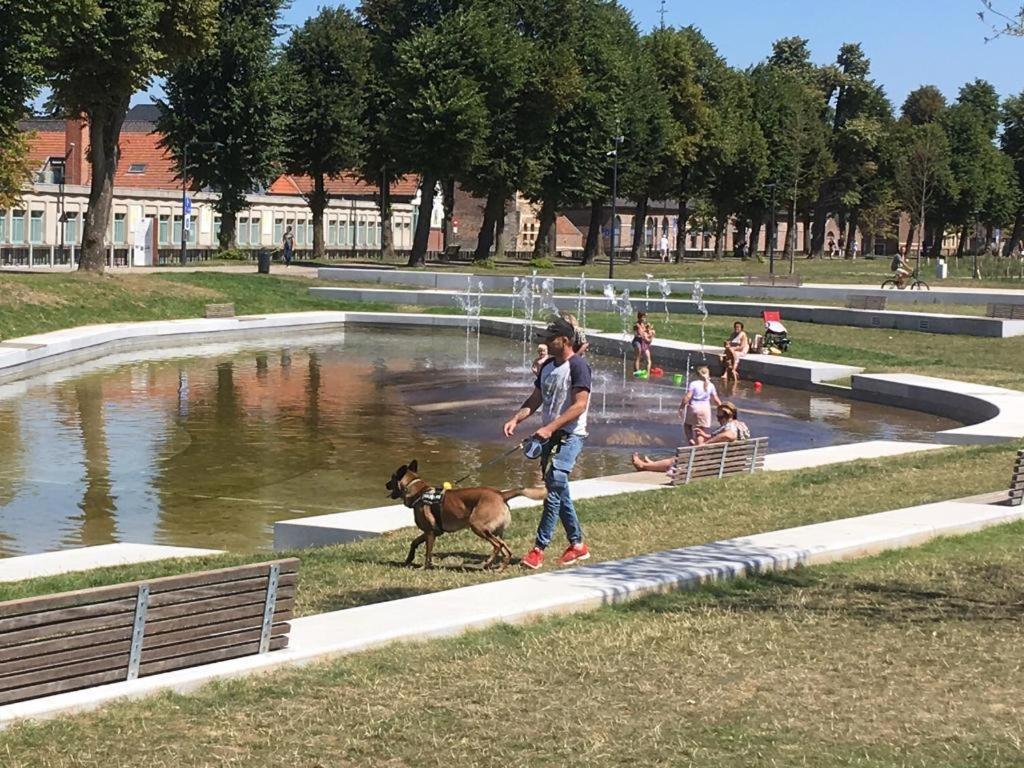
138	631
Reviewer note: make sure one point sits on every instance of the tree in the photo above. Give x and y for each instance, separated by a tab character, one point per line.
1001	22
674	123
922	171
790	117
324	70
105	52
1012	142
23	35
923	105
224	110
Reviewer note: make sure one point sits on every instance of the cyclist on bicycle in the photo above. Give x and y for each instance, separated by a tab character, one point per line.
901	267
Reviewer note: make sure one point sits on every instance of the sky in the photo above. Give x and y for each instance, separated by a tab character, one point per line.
909	42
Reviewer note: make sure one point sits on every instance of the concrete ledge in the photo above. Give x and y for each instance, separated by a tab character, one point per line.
456	281
965	325
87	558
838	454
565	591
993	414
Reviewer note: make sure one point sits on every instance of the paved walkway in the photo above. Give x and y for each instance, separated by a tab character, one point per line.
556	592
87	558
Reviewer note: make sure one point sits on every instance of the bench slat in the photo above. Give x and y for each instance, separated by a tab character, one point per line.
212	604
169	665
210	643
719	460
156	586
104	663
61	686
204	619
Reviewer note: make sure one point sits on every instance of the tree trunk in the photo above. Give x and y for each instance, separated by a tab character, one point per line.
1016	235
448	203
681	230
592	247
317	204
421	239
962	243
545	225
807	231
755	237
851	232
97	504
818	226
500	238
791	238
721	220
104	131
228	224
639	230
494	209
387	232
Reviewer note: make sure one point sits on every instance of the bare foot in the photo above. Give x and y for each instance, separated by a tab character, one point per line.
637	464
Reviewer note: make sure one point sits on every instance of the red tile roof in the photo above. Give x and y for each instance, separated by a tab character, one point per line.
43	145
141	149
346	184
565	227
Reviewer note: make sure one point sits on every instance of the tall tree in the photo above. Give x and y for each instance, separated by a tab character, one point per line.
224	109
324	71
923	105
1012	142
922	171
23	37
108	51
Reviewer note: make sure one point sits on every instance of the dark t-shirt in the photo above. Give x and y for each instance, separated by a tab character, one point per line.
556	383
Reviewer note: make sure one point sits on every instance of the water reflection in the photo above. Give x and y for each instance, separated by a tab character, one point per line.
211	449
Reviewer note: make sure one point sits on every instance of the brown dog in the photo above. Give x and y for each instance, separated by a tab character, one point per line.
483	510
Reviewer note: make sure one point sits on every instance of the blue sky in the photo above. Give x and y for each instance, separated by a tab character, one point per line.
909	42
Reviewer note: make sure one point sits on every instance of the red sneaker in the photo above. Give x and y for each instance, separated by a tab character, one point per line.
533	559
574	554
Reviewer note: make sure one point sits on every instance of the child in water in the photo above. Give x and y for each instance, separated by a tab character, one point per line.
542	355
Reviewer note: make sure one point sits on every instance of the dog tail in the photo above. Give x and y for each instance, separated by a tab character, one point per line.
537	494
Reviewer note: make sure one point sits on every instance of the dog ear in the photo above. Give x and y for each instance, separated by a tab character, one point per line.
413	466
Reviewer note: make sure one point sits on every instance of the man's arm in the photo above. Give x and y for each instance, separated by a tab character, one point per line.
531	404
580	400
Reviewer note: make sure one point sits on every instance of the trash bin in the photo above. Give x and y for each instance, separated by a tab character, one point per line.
941	269
263	262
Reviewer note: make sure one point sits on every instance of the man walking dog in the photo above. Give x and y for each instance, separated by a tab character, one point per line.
562	392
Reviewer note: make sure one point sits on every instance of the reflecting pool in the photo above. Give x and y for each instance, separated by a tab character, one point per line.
209	446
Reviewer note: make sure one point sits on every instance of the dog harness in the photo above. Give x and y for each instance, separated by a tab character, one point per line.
432	498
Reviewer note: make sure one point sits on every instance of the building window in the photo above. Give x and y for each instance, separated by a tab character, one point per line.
177	229
343	233
360	233
193	226
216	228
300	232
242	231
136	168
3	226
165	230
36	228
278	230
255	237
71	228
119	228
309	231
332	231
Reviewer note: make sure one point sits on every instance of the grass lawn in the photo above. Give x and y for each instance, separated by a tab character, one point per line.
371	571
911	659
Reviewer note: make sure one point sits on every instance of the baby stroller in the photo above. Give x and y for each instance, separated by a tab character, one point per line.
775	335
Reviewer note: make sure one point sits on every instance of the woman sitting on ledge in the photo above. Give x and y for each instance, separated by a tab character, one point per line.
736	347
730	429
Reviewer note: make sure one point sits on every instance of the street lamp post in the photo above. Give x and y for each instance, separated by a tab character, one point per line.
771	234
62	218
184	205
615	195
975	274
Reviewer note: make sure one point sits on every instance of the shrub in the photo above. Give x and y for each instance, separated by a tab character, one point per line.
542	263
487	263
232	254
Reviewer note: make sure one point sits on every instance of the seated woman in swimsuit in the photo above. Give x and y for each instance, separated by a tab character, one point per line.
736	346
643	335
730	429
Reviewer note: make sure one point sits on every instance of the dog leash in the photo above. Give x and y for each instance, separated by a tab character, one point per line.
496	459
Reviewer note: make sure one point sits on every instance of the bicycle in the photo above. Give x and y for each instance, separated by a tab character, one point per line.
916	284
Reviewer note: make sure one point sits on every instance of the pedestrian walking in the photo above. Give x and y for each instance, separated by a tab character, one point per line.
288	245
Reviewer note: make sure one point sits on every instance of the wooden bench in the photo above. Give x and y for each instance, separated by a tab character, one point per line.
793	281
220	310
865	302
741	457
64	642
1017	481
1005	311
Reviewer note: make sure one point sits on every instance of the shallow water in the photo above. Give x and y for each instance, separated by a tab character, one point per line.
209	446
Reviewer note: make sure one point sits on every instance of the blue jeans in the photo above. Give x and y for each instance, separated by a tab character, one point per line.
557	462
